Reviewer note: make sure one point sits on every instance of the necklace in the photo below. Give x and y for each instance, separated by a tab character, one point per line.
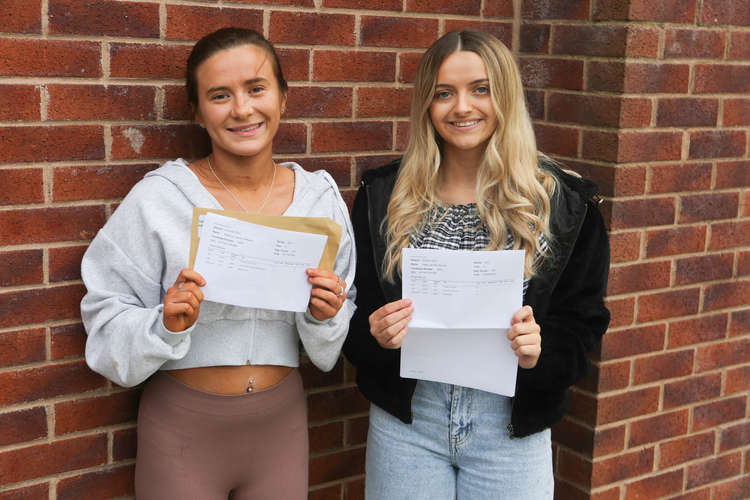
270	188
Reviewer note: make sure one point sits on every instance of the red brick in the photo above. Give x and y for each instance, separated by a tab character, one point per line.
687	239
501	31
19	102
721	78
336	403
685	449
679	11
53	458
735	12
658	428
357	4
590	40
714	469
721	295
628	179
21	16
96	181
622	467
291	138
65	263
680	177
687	112
712	415
30	57
398	32
717	143
23	346
367	162
44	225
663	366
552	73
724	354
535	38
499	8
729	235
535	104
625	246
310	27
326	436
356	430
735	489
612	376
556	140
697	330
633	146
702	207
692	43
736	112
124	444
621	310
743	264
698	388
739	45
351	66
36	492
297	3
636	277
187	22
703	268
655	486
740	323
340	168
21	267
628	405
325	493
89	413
51	143
736	436
159	141
584	109
642	42
462	7
609	440
295	63
335	466
407	66
136	60
644	212
383	101
23	425
68	341
656	78
109	483
351	136
574	468
104	17
176	104
668	304
313	378
319	102
738	380
39	305
573	435
555	9
354	490
49	381
607	76
96	102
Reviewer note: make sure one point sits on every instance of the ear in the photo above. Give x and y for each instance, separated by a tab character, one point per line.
283	102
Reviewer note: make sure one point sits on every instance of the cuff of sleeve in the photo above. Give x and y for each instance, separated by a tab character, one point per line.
311	319
173	338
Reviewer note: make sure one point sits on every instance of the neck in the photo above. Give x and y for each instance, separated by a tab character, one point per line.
457	177
243	172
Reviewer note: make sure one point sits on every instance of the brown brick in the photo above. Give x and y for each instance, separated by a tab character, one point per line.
141	60
738	380
535	38
607	76
96	181
743	264
535	104
398	32
31	57
319	102
687	239
636	277
552	73
675	11
187	22
21	267
655	486
19	102
584	109
44	225
697	330
65	263
36	492
159	141
658	428
632	146
656	78
555	9
687	112
680	177
96	102
556	140
383	101
714	469
124	444
615	469
104	18
338	166
668	304
612	376
45	382
23	425
335	466
367	162
357	4
407	66
735	489
501	31
740	323
350	66
609	440
736	112
739	45
23	346
663	366
717	143
68	341
291	138
703	268
21	16
573	435
326	436
295	63
735	12
89	413
712	415
574	468
692	43
300	3
621	310
356	430
685	449
628	405
729	235
109	483
736	436
642	41
351	136
499	8
721	78
724	354
721	295
176	105
326	493
354	490
697	388
628	214
462	7
51	143
311	27
336	403
702	207
589	40
625	246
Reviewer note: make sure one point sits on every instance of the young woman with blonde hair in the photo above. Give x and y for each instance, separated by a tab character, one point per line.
472	179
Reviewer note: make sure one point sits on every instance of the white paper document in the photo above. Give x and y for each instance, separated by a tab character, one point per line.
250	265
463	303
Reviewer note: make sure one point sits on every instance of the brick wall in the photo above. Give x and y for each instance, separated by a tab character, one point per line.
646	97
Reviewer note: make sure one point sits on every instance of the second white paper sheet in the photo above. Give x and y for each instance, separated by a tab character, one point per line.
463	303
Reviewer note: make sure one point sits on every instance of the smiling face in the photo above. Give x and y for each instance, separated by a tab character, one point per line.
239	101
461	110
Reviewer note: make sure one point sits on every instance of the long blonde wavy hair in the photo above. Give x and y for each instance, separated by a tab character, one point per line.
513	193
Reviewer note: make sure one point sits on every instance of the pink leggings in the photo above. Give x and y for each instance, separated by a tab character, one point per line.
199	445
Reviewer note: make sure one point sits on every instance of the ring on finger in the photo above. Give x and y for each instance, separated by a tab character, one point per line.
341	291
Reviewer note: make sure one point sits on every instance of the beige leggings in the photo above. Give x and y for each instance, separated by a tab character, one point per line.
204	446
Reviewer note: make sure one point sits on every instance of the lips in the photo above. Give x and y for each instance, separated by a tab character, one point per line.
465	124
246	129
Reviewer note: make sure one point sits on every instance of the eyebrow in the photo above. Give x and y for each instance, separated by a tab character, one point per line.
251	81
481	80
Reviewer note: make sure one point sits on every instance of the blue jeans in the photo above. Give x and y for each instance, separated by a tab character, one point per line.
458	447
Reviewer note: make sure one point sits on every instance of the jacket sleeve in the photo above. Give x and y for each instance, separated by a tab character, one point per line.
360	347
577	317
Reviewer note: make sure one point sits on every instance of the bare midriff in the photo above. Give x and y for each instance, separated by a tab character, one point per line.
231	379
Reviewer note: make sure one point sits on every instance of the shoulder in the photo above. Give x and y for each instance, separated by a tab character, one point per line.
568	181
383	173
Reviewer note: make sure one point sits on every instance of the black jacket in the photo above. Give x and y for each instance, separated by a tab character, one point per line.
566	294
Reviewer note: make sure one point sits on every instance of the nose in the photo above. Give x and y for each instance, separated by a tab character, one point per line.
463	102
242	105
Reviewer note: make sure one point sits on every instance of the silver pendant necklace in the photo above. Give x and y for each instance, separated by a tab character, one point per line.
268	194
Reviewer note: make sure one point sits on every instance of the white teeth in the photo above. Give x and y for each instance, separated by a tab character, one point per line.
465	124
247	129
